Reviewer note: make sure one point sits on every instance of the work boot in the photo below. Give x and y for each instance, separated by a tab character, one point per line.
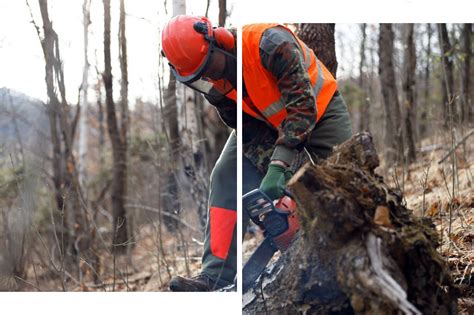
199	283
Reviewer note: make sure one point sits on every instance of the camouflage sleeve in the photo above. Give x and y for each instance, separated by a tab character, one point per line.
226	108
281	55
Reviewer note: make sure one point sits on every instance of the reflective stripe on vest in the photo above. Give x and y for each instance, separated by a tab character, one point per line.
262	88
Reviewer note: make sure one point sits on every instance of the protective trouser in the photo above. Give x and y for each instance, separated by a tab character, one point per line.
219	260
332	129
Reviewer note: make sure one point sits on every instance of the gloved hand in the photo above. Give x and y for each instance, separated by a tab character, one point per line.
274	182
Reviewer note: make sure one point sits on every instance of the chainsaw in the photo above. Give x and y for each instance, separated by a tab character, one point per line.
280	225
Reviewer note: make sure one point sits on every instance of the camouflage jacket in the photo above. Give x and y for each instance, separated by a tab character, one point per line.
281	55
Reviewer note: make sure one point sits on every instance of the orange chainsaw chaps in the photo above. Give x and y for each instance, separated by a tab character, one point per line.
222	224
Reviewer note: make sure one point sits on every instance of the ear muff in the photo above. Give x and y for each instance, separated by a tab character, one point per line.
224	38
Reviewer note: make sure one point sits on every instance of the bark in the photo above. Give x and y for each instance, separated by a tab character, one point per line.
389	93
424	111
320	38
409	88
222	12
359	251
447	83
467	113
83	128
118	188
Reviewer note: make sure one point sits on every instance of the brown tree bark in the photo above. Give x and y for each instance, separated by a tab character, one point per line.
467	113
359	251
409	87
389	92
447	83
320	38
427	75
116	134
222	12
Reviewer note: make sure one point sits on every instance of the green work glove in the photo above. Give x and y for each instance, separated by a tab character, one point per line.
274	182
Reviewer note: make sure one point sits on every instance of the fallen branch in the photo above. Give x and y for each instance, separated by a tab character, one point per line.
456	146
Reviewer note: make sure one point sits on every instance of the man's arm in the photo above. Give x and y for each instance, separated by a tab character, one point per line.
281	55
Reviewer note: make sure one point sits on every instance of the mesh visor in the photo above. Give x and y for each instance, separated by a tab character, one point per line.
214	89
208	79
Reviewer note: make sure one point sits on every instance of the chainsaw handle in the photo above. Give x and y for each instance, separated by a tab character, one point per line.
289	193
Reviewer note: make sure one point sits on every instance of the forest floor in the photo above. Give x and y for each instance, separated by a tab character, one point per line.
427	187
428	191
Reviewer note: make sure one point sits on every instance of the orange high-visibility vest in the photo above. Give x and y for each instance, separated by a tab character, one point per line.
262	88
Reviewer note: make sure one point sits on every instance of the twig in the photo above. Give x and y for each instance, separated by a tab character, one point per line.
165	213
424	183
29	283
456	146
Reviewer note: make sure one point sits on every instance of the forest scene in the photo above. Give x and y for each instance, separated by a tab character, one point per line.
410	87
104	158
105	162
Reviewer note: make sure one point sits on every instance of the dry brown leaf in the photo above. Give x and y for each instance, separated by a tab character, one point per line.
433	210
382	216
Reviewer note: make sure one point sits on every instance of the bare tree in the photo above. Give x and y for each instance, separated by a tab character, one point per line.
409	88
62	128
363	83
117	133
389	93
427	75
467	113
447	83
169	180
83	128
320	38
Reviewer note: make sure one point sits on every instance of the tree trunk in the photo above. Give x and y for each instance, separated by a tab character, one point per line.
62	129
170	198
427	104
222	12
320	38
359	249
389	93
467	112
409	88
83	128
364	84
447	83
118	188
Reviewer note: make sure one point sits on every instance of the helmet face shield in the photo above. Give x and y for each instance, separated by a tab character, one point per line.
209	78
214	89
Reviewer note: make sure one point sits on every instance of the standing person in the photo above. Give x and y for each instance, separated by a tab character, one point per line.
204	58
290	103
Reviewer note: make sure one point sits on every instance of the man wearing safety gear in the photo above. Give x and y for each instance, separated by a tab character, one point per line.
291	108
204	58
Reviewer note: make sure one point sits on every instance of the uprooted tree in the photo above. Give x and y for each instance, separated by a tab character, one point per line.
360	249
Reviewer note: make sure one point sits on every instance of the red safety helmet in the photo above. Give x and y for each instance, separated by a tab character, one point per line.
193	48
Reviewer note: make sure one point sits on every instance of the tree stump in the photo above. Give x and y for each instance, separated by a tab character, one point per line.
360	250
